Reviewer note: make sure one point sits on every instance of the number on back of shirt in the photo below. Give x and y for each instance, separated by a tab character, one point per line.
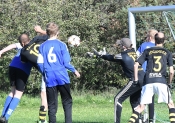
158	65
51	56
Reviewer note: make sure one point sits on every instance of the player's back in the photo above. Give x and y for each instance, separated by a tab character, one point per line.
53	53
55	56
157	59
128	59
29	52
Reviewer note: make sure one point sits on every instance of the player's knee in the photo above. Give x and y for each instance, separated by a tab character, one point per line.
171	105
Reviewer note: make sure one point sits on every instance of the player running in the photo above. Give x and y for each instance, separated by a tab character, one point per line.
155	78
126	58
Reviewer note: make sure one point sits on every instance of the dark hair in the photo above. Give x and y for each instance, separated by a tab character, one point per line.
24	40
159	40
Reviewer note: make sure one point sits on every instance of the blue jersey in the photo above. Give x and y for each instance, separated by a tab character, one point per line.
16	61
140	50
53	62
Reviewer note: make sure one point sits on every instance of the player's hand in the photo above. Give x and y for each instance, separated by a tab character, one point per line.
100	53
173	54
136	82
77	74
38	29
170	86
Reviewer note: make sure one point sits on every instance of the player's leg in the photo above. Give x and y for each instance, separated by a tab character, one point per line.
66	99
135	102
164	95
18	86
44	106
12	78
8	100
151	111
52	99
135	115
122	95
146	98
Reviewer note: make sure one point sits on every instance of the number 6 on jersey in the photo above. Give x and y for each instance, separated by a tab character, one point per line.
51	56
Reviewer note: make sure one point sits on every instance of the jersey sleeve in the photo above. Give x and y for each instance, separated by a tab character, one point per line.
18	46
67	58
40	38
40	61
142	58
139	50
170	59
113	58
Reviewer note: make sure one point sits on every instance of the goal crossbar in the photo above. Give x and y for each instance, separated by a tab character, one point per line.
132	25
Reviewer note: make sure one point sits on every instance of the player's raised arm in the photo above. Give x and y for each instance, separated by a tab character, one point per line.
9	47
39	30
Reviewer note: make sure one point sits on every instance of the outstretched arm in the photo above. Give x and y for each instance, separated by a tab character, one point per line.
114	58
9	47
103	54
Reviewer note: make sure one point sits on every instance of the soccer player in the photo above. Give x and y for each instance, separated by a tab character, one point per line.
29	53
127	59
53	61
18	75
155	78
150	42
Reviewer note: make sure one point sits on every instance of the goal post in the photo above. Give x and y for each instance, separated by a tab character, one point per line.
132	11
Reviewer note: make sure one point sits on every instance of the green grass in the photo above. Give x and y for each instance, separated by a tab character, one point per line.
87	108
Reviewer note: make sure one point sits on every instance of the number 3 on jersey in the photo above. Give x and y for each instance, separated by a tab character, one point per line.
157	62
51	56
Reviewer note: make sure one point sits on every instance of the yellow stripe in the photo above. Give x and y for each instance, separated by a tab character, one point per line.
134	115
172	114
41	112
172	119
131	119
42	118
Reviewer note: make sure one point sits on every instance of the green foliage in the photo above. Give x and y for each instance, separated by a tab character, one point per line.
98	23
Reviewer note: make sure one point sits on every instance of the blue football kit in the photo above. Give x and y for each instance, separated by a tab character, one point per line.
16	61
140	50
53	62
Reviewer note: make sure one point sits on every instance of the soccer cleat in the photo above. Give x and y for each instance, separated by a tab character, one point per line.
3	120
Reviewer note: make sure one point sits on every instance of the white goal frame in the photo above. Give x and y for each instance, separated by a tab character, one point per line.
132	24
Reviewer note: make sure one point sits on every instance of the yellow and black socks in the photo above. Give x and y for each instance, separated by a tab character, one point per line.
42	114
134	117
172	115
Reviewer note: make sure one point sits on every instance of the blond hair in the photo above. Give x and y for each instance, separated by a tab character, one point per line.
151	34
52	29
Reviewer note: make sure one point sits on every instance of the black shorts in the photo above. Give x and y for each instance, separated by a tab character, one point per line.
18	78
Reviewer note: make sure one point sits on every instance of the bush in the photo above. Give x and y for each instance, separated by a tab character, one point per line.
98	23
